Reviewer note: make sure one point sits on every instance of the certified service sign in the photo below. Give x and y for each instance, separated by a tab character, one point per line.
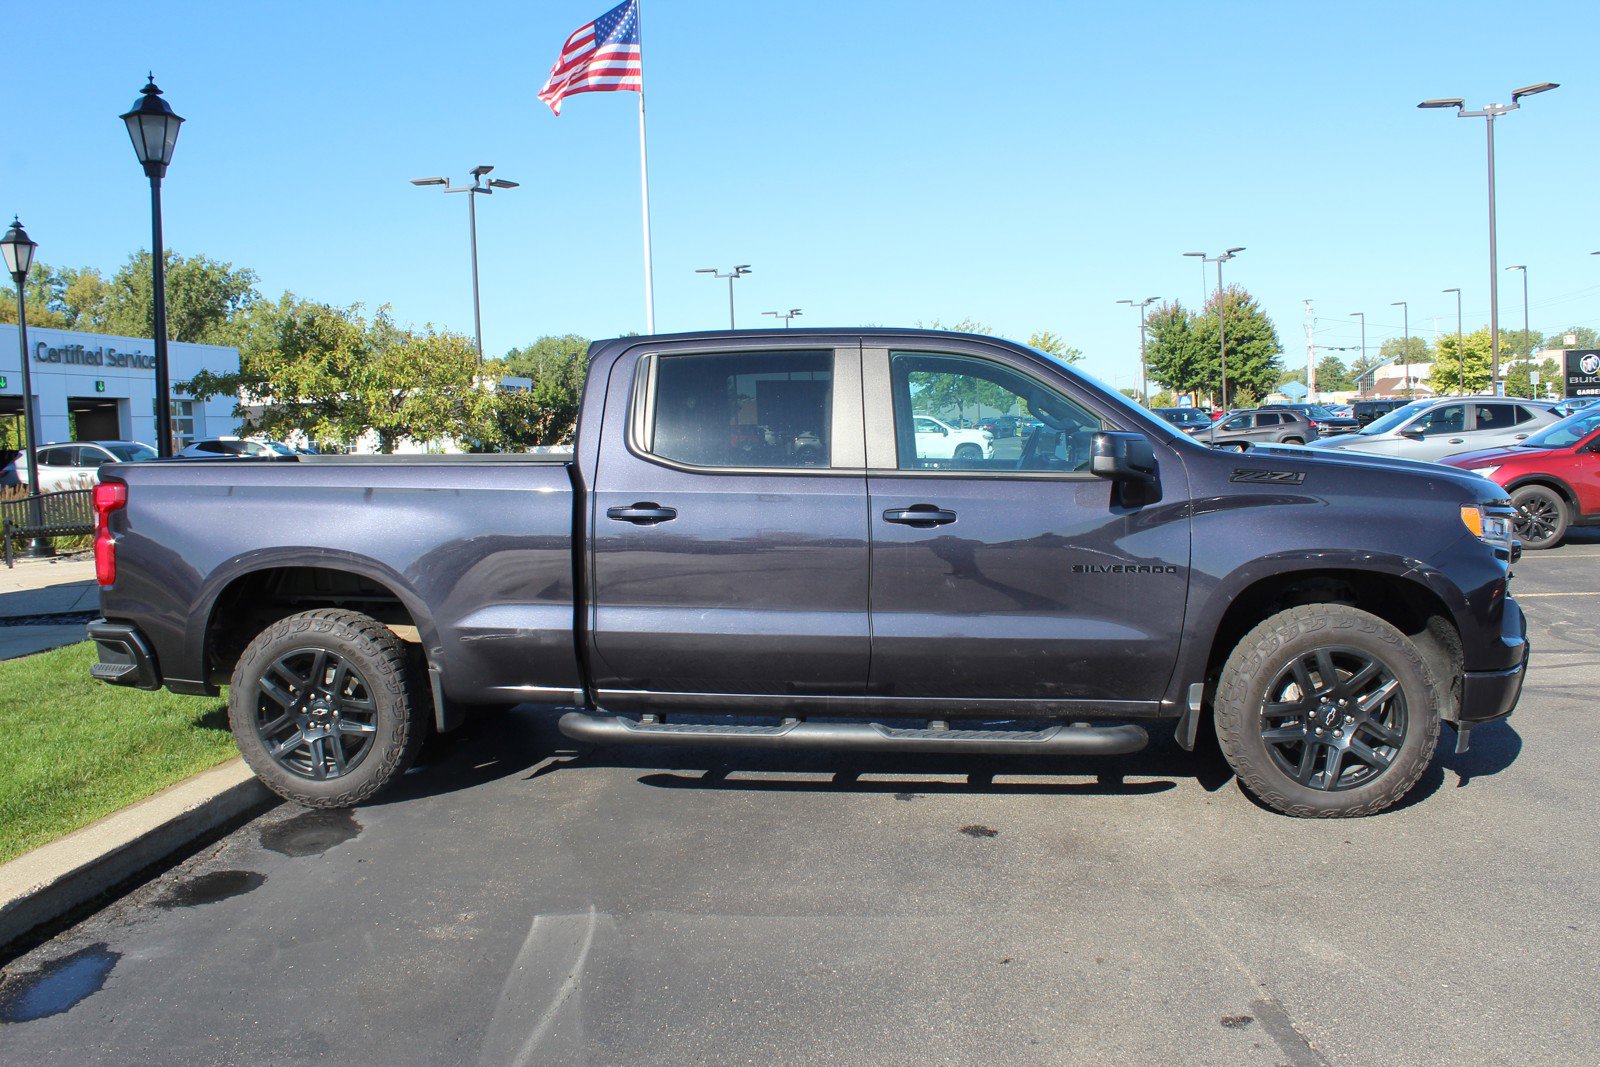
1583	372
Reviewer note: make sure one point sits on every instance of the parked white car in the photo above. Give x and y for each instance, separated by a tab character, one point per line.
940	440
1447	426
75	464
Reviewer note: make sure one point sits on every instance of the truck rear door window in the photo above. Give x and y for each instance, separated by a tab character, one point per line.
767	409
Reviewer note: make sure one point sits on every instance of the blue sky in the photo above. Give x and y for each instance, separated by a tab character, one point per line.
1026	165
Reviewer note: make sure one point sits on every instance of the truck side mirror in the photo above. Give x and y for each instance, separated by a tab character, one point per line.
1412	433
1123	457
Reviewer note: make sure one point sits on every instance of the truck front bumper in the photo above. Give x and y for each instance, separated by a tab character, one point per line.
125	656
1490	695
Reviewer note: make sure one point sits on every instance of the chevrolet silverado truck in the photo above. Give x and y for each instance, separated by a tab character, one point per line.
751	546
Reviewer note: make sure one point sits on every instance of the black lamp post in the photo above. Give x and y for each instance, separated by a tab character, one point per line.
18	251
153	127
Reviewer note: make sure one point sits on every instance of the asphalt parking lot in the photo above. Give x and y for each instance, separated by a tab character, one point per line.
518	901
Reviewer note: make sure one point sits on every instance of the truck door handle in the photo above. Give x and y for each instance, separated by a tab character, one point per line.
1456	441
921	515
645	513
1521	437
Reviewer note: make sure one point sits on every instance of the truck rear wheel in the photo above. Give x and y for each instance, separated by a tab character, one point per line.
326	707
1327	711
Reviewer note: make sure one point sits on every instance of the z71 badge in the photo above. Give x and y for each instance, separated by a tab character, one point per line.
1273	477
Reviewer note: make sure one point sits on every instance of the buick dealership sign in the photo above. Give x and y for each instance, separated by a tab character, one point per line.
1583	372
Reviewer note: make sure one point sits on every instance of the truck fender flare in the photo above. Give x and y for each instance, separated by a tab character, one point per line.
255	561
1202	629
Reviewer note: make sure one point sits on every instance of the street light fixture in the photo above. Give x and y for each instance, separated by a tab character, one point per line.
18	249
1222	326
477	187
1405	346
1461	350
153	128
792	313
737	272
1144	381
1489	113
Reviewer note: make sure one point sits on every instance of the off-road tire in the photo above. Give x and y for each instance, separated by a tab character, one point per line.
1265	651
1556	510
404	709
968	451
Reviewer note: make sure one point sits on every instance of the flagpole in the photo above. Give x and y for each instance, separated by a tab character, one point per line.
644	193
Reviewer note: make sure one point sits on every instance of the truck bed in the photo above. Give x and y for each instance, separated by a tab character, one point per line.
476	554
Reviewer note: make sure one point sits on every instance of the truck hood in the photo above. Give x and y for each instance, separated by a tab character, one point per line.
1313	458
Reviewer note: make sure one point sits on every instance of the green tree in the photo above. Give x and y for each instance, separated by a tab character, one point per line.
1252	346
1050	344
1394	349
331	374
1582	337
557	367
1172	354
1333	375
1447	377
1163	399
1518	343
64	298
205	299
1519	378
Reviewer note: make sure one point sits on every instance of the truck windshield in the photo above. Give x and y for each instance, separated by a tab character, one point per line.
1393	419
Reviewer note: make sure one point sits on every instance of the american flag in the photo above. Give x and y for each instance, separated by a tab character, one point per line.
598	58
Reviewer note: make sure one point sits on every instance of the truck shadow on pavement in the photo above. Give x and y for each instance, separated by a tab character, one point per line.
526	743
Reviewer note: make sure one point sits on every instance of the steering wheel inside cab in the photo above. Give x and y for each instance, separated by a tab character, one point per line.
1056	416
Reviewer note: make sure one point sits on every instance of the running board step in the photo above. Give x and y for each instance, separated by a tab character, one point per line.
1061	740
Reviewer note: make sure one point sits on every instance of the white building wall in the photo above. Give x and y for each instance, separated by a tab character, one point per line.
66	363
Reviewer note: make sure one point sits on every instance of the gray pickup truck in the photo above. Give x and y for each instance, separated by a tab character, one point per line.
754	544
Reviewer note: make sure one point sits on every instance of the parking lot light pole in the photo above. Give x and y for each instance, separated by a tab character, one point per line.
1527	335
1405	345
1461	352
792	313
153	128
1489	113
1362	315
18	249
733	275
1222	324
473	190
1144	381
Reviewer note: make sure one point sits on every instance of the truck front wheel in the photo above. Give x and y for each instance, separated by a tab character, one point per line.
326	707
1327	711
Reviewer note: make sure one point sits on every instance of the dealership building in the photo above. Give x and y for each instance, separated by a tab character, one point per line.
90	387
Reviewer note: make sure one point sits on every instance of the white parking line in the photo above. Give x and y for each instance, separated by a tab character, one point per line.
1530	596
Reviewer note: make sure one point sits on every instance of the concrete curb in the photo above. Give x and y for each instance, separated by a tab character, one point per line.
52	880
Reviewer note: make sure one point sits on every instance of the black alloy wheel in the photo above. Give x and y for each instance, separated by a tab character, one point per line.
1334	719
315	714
1541	519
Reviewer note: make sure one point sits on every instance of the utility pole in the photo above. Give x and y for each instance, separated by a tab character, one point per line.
1311	358
1362	315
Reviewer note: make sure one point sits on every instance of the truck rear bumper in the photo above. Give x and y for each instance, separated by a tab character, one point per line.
125	656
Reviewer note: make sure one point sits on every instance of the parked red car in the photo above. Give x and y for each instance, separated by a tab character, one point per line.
1553	477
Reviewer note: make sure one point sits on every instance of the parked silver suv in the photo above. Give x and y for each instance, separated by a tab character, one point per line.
1259	426
1446	426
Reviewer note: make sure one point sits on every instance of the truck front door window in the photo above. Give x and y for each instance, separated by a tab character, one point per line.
770	409
940	403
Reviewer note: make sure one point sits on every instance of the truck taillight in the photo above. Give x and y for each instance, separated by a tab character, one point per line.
108	497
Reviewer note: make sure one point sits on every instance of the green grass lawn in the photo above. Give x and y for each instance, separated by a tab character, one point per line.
73	749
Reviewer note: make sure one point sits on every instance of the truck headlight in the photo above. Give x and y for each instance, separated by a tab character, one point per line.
1492	526
1485	472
